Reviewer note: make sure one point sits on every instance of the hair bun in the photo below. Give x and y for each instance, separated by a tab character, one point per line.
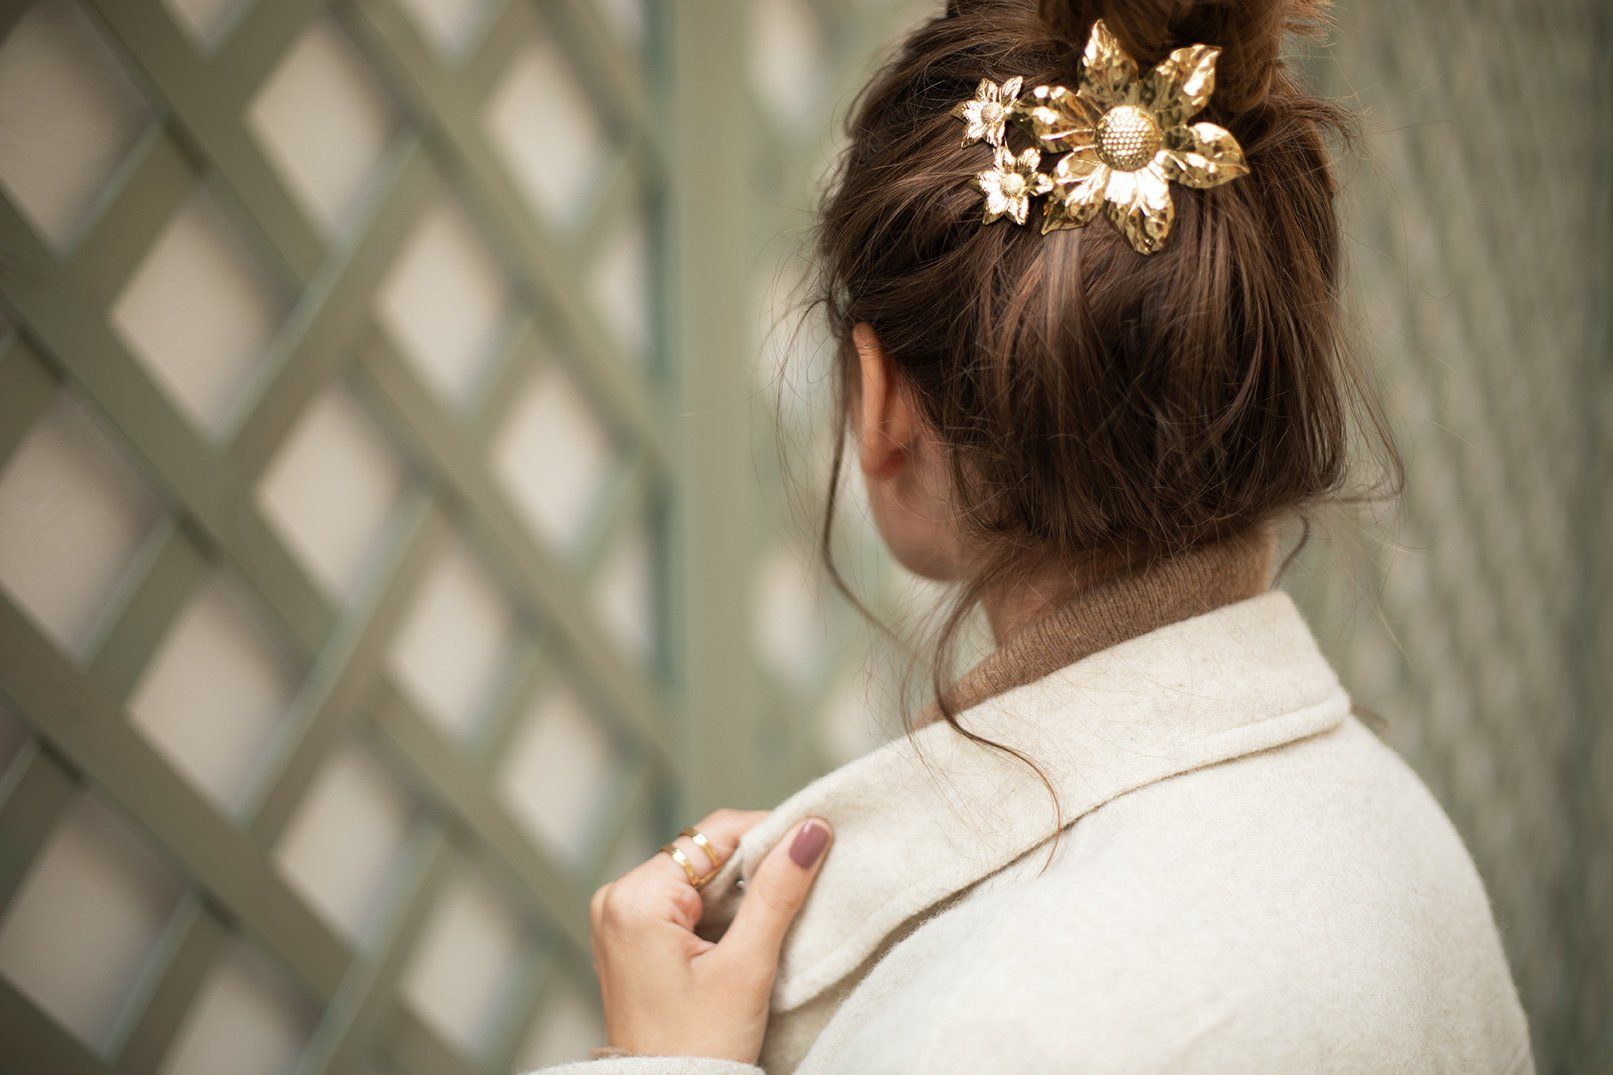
1249	33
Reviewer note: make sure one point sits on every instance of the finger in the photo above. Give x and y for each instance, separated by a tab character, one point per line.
774	895
657	891
642	904
723	828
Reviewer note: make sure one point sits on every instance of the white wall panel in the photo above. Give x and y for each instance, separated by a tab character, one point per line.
83	928
200	312
344	846
216	693
73	514
332	490
324	122
69	115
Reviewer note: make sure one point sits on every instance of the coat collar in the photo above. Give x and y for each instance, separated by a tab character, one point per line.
926	815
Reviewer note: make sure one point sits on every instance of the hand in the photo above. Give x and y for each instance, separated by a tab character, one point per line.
668	992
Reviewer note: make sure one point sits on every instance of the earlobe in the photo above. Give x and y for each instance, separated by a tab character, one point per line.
884	425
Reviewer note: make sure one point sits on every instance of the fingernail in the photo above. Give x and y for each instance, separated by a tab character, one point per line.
809	844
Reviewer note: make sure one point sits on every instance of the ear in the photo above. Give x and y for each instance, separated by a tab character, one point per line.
886	423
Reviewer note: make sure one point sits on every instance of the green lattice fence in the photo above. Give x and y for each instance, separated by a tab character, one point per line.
341	482
333	491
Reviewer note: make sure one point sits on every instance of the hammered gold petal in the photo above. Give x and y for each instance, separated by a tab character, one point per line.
1011	88
1140	207
1060	118
1019	208
996	206
1086	184
974	128
1108	75
1159	211
1153	192
1061	213
1180	85
1121	189
1052	214
1077	195
1128	224
1201	156
1078	164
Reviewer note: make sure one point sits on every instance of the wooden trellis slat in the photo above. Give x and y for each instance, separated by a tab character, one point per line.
210	123
194	940
344	672
46	1045
78	720
462	787
173	567
351	1021
333	307
525	246
179	460
559	600
156	179
256	45
27	389
37	790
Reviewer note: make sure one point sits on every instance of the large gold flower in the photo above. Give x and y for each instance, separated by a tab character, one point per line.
1010	182
986	115
1124	139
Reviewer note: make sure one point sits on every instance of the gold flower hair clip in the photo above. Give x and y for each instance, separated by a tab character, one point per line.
1120	139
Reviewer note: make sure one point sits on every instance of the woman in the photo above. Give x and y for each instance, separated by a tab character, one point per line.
1147	832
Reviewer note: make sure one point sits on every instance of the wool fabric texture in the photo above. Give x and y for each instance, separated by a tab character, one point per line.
1238	875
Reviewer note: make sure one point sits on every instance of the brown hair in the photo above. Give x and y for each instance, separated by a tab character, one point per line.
1096	404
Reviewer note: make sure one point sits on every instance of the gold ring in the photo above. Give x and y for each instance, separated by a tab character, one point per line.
704	844
683	860
696	879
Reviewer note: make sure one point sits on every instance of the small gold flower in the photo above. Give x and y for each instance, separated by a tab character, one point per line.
1124	139
1009	184
986	115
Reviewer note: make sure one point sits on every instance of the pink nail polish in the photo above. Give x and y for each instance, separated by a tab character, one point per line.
809	844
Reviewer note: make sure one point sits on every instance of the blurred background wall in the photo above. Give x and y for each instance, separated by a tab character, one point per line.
394	542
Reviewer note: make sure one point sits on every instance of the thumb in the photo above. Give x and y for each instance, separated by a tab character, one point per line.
774	895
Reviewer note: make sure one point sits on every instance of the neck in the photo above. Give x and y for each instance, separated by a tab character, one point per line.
1017	604
1057	618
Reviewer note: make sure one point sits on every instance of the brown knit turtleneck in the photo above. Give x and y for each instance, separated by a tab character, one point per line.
1175	588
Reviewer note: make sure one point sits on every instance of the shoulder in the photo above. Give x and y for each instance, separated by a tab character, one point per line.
1310	904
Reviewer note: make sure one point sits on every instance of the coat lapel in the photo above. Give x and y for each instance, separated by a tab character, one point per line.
929	814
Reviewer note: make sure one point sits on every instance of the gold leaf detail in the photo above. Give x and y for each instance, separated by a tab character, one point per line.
1139	204
1108	75
1201	156
1078	190
1060	118
1181	84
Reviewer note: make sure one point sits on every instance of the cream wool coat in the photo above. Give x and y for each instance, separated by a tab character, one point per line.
1248	880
